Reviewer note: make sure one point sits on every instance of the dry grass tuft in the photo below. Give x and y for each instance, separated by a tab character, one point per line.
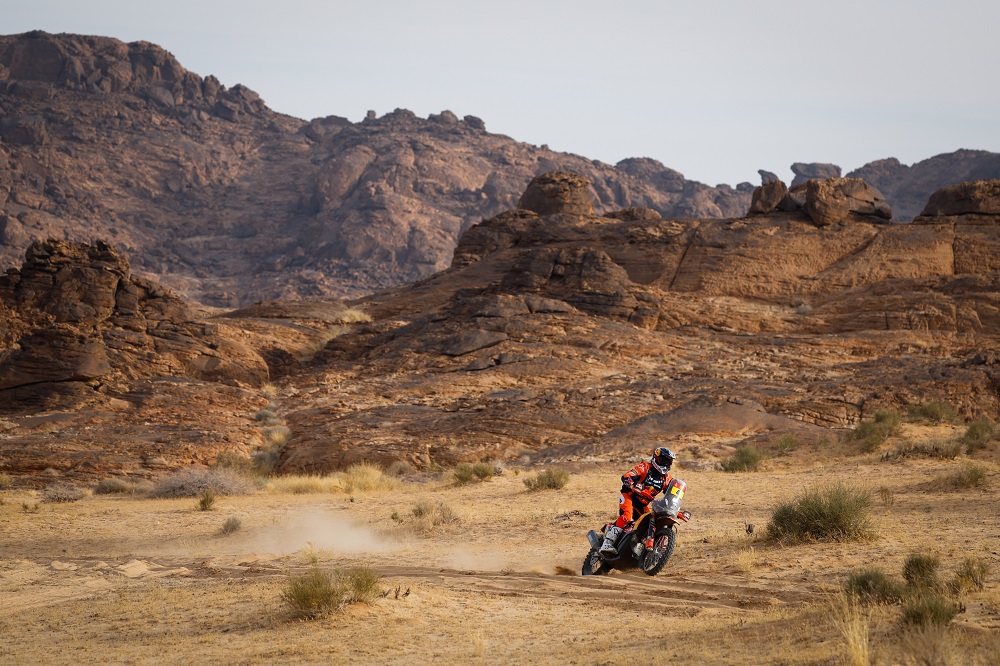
6	481
854	621
206	501
366	477
550	479
232	524
269	391
927	646
971	576
354	316
920	571
118	486
969	475
836	512
304	485
429	515
929	609
745	560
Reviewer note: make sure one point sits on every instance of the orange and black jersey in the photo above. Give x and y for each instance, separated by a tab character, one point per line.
646	479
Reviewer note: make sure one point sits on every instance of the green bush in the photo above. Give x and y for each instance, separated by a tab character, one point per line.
873	586
979	434
786	444
314	594
871	434
921	572
317	592
929	609
552	479
839	512
467	473
937	412
744	459
971	575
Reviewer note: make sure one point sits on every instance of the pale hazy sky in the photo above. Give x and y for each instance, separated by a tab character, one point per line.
713	89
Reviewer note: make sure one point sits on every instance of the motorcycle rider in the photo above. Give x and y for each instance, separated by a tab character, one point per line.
639	486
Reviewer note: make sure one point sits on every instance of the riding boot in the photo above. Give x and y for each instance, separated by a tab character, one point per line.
608	547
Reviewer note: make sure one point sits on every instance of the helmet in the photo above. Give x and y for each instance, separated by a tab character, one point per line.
662	458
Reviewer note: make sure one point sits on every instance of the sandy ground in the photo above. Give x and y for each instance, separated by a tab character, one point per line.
130	580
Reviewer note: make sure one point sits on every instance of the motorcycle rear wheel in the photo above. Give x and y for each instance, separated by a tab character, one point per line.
653	560
593	565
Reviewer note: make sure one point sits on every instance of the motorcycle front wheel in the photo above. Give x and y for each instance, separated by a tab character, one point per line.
593	565
652	560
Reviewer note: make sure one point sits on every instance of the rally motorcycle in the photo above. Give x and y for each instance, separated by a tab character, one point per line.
647	543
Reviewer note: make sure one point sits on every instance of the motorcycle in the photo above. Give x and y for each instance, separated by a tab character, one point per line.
645	544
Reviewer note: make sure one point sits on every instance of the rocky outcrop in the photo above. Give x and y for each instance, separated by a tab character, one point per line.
82	317
832	201
908	187
558	192
814	170
767	197
980	197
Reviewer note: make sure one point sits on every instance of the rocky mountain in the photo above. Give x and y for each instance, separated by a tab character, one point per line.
228	202
558	333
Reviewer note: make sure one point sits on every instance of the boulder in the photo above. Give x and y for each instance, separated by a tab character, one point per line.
767	197
558	192
834	200
813	170
767	177
980	197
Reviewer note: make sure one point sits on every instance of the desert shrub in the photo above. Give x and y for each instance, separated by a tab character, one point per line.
937	412
429	515
941	449
921	571
744	459
269	391
839	512
364	477
206	500
928	609
869	435
927	646
971	575
31	508
354	316
63	492
6	481
399	468
469	472
553	479
314	594
231	525
969	475
193	481
785	444
873	586
235	461
361	583
118	486
317	592
887	496
978	434
267	417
